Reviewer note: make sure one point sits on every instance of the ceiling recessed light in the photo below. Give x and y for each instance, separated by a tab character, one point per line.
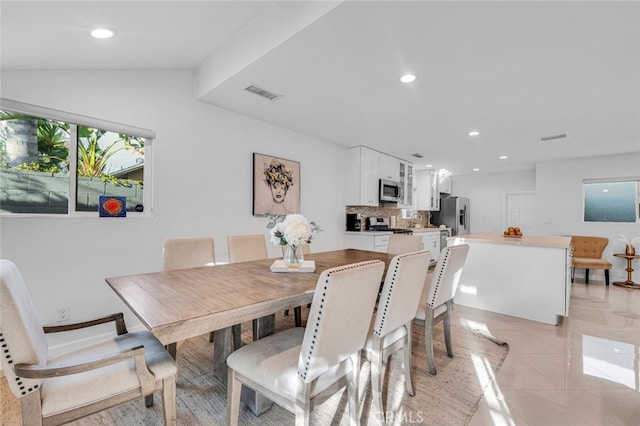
503	157
476	169
473	133
102	33
408	78
429	165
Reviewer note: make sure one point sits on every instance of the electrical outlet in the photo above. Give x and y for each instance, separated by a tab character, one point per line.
64	313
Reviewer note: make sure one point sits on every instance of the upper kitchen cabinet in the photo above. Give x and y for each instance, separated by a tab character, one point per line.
389	167
445	183
427	190
363	175
406	196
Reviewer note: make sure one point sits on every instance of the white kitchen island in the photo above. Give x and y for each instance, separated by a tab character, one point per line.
526	277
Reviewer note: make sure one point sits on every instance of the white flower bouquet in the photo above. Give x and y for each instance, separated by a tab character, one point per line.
292	229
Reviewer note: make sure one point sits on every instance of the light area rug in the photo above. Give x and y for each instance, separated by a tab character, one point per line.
449	398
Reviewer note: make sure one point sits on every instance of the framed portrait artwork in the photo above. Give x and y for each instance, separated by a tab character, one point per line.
276	185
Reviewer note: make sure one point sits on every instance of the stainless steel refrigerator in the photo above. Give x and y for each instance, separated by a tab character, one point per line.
454	214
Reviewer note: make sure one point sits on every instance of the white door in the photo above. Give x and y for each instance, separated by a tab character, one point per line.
520	211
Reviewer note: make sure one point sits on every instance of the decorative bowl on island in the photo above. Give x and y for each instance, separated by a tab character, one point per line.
513	232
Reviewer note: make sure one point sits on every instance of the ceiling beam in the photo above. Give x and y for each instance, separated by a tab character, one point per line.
279	22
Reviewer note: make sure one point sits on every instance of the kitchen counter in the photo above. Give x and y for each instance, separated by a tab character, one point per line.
527	277
369	232
525	240
415	231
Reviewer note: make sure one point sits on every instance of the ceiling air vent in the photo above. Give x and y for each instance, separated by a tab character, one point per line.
417	155
261	92
553	137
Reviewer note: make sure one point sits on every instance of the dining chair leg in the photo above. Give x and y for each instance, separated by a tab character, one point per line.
446	325
352	389
234	388
606	276
148	401
169	401
406	351
428	340
377	374
586	276
302	407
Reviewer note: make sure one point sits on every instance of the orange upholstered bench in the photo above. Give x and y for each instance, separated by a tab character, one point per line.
587	254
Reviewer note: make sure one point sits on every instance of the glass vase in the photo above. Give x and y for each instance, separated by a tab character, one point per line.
293	256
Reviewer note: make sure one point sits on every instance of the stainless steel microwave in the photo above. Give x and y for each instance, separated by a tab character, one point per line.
389	191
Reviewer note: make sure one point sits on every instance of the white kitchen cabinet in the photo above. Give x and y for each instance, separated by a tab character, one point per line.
427	190
372	241
445	183
389	167
406	198
431	242
362	177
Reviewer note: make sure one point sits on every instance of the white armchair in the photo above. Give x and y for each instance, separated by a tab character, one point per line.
91	379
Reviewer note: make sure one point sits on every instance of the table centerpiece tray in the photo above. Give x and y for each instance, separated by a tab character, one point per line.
280	266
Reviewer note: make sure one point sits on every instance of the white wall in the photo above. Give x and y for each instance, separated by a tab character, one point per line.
560	202
65	261
486	192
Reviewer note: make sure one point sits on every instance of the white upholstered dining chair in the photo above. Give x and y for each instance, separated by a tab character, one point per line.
403	243
391	331
245	248
438	303
186	253
300	367
189	252
81	382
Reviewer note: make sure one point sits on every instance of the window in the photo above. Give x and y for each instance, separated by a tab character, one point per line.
614	200
53	162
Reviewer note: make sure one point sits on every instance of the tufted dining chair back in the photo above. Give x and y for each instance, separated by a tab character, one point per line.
391	329
329	342
442	286
21	332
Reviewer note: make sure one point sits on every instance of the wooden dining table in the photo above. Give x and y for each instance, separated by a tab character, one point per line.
180	304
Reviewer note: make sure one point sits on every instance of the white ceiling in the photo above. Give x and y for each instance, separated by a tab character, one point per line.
516	71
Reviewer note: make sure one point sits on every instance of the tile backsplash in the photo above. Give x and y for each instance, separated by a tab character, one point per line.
422	216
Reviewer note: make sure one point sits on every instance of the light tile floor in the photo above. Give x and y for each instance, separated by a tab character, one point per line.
583	372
